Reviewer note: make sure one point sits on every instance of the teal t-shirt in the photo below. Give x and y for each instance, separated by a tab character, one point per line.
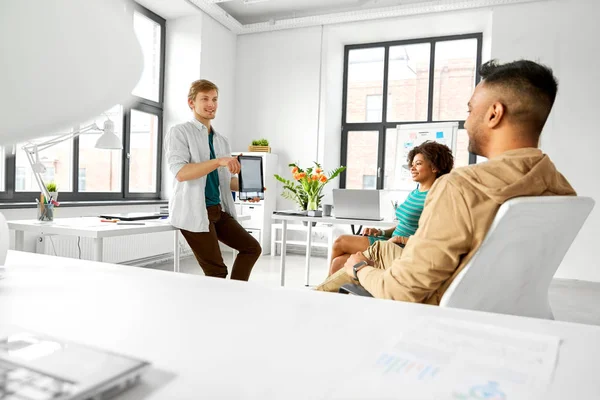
211	191
407	214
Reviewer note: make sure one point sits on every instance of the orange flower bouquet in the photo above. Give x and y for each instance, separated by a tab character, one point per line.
307	185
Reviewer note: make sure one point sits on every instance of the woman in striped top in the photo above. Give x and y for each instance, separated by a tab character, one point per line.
427	162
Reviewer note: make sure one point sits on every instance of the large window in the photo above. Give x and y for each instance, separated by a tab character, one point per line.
426	80
58	161
144	146
82	172
102	167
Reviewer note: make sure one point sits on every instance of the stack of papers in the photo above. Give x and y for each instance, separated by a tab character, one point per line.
448	359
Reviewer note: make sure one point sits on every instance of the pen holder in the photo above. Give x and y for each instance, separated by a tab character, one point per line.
45	212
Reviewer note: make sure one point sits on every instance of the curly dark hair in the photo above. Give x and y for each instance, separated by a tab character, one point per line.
436	153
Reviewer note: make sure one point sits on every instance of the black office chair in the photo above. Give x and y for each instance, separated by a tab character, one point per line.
356	290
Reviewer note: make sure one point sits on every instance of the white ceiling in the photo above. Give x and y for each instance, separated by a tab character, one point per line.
250	16
170	9
266	10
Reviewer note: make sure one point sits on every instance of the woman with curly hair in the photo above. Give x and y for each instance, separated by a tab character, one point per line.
427	162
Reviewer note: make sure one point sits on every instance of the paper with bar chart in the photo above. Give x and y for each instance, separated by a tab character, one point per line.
448	359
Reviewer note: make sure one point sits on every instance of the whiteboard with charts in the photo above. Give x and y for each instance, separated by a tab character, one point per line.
412	135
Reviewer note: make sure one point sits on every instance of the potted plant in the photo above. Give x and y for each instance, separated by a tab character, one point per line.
51	187
261	145
307	186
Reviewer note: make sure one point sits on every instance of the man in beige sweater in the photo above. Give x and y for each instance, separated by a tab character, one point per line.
507	112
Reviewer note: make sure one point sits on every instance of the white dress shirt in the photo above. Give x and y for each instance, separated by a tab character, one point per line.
188	143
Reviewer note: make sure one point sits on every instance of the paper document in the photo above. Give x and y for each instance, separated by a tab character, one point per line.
448	359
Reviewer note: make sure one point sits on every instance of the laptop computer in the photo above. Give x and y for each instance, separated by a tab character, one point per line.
133	216
356	204
35	366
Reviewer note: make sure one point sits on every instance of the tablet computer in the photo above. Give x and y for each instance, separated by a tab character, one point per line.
251	176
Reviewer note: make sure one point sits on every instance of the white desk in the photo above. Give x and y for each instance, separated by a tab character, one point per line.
219	339
92	227
324	220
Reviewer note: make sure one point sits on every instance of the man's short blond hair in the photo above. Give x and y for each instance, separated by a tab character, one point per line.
201	86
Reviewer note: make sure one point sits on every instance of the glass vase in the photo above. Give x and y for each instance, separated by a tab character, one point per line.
312	207
312	203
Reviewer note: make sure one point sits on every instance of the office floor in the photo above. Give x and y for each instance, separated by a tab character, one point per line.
571	300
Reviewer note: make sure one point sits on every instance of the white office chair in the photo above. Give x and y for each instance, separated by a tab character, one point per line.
512	270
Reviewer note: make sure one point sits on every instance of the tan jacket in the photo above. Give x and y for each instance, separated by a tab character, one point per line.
459	210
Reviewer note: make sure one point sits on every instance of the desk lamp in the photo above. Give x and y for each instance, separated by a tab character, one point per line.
108	140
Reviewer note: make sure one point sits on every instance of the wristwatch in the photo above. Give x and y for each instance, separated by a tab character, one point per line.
357	267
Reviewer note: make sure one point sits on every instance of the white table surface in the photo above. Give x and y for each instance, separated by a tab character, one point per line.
220	339
336	221
93	227
324	220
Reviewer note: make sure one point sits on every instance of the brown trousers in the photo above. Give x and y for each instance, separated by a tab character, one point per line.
205	245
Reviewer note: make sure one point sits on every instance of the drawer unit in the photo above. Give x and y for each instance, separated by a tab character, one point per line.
255	233
259	224
256	213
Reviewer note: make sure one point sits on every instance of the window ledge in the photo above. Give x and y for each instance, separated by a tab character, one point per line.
96	203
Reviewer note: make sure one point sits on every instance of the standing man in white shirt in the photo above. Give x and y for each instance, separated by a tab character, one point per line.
202	205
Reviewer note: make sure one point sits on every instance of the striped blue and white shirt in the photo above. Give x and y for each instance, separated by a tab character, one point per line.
409	212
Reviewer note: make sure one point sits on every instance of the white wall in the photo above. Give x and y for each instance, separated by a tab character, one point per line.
564	34
277	94
217	64
182	67
197	47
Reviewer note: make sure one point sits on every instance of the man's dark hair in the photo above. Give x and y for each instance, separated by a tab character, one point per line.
533	88
436	153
